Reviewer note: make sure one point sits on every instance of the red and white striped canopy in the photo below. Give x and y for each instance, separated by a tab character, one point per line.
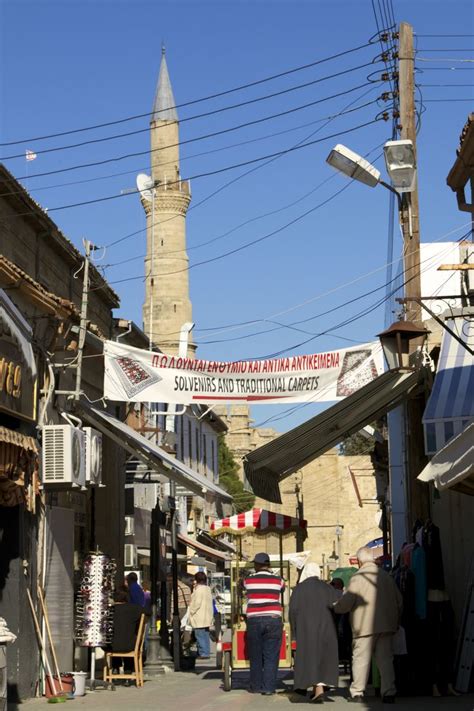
257	521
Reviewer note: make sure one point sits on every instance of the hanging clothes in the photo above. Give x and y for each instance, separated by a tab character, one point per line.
418	567
434	558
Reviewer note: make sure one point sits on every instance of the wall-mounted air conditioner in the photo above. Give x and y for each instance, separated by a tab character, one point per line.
130	556
93	456
63	456
129	526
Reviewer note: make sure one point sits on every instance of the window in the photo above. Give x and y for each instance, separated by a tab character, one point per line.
204	454
196	432
213	461
190	444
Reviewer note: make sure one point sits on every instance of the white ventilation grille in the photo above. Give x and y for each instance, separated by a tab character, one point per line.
63	455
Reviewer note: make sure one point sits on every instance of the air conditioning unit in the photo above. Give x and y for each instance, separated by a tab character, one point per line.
129	526
93	456
63	455
130	556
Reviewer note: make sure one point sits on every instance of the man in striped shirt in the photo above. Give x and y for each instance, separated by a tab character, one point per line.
264	625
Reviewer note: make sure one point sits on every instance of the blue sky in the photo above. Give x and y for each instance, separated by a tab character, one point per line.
71	64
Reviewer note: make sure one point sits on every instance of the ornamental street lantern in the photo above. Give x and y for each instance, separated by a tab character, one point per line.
395	341
400	162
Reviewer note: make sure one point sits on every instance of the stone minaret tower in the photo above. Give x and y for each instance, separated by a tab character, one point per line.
167	304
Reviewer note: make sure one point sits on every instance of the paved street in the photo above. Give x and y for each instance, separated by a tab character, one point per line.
202	691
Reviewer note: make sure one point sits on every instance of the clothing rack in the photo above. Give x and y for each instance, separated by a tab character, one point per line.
466	639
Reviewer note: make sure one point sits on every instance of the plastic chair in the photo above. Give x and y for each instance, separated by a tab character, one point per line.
136	654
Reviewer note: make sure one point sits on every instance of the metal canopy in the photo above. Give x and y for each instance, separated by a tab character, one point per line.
266	466
149	453
453	466
450	408
201	548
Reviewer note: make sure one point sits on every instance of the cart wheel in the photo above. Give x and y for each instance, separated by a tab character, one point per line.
227	672
218	660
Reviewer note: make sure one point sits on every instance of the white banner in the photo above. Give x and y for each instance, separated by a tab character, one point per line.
135	375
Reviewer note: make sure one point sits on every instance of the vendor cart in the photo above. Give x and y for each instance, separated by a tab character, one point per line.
260	523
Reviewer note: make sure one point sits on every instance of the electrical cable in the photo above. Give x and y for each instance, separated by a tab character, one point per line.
194	101
207	174
140	153
234	180
202	153
241	324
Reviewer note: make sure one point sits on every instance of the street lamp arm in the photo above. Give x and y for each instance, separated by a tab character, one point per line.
392	190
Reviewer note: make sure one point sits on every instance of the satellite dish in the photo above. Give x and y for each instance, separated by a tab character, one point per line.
145	185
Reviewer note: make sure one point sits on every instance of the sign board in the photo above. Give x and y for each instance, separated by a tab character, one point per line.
135	375
17	363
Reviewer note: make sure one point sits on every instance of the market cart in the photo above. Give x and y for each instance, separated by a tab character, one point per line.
257	522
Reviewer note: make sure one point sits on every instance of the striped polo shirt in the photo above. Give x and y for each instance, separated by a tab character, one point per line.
264	593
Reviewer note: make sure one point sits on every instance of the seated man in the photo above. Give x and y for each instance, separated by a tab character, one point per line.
126	619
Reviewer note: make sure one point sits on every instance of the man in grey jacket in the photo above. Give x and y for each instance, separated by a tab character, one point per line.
375	604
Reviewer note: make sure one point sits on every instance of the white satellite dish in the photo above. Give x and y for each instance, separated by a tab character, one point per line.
145	185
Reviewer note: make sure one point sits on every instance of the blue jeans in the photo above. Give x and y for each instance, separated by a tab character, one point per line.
263	649
202	641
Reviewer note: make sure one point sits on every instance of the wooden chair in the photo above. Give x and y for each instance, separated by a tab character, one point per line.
136	654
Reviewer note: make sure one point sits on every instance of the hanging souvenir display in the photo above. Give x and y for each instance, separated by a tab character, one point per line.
94	608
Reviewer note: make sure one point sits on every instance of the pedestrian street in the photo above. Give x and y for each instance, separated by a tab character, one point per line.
202	691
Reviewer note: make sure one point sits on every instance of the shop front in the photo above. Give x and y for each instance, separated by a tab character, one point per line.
19	489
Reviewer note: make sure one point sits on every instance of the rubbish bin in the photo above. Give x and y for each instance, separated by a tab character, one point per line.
79	683
3	677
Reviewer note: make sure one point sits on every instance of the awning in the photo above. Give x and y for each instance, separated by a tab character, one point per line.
453	466
450	407
201	548
258	521
266	466
149	453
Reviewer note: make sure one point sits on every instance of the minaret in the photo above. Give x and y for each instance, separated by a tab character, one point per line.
167	304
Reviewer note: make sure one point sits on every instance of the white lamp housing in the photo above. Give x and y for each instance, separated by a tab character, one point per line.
353	165
401	165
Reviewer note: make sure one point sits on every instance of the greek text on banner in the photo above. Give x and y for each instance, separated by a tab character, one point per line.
135	375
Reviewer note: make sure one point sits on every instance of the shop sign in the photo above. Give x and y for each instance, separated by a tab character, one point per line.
17	363
136	375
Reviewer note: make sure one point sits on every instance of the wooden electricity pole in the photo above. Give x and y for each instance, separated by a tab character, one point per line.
409	215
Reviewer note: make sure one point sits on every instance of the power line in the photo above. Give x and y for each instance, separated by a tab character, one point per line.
240	177
209	173
194	101
209	113
209	152
198	138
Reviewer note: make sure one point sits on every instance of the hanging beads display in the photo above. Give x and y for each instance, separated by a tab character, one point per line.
94	607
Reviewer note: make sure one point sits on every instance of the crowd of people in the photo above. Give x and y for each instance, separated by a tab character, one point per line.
372	602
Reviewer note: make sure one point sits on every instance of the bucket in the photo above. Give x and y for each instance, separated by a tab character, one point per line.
80	683
67	682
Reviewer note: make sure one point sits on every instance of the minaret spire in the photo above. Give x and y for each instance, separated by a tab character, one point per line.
164	104
167	305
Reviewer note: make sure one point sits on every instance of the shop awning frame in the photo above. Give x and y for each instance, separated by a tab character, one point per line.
267	466
450	407
453	466
201	548
151	454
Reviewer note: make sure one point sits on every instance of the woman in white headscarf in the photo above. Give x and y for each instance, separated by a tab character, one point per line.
312	625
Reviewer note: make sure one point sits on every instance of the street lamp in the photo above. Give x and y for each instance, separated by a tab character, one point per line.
399	160
395	341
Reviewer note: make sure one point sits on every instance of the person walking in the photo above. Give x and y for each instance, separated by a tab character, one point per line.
264	625
375	605
201	614
312	626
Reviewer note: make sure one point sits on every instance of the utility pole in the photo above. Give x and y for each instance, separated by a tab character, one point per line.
409	214
83	322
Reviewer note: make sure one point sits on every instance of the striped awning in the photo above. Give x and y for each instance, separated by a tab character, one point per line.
450	408
258	521
453	466
267	466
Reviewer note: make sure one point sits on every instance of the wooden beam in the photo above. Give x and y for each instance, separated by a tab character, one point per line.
455	267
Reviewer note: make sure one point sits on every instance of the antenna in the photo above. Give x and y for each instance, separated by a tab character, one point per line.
145	185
